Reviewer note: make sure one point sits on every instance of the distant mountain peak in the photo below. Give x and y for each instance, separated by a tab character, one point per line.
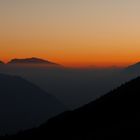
32	60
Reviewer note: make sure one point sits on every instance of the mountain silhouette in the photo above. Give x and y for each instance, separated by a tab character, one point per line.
32	60
1	62
114	116
23	105
133	68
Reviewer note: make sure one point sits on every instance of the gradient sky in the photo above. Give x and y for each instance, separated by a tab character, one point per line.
71	32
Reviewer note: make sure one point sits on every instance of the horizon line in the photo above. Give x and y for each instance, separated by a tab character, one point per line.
79	65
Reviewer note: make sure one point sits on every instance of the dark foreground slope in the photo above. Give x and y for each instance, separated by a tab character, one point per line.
24	105
113	116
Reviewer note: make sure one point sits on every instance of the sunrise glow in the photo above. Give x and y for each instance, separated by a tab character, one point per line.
71	32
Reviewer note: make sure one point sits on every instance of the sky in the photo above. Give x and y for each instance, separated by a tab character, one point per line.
71	32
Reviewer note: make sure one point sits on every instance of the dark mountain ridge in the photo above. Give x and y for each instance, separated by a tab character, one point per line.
32	60
115	115
23	105
133	68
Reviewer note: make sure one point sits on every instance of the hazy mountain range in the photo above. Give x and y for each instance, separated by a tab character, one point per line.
73	87
115	115
23	105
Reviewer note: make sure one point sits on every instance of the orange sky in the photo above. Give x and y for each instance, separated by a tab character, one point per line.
72	33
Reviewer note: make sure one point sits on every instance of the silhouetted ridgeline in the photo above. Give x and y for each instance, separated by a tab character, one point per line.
24	105
32	60
133	69
114	116
135	66
1	62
